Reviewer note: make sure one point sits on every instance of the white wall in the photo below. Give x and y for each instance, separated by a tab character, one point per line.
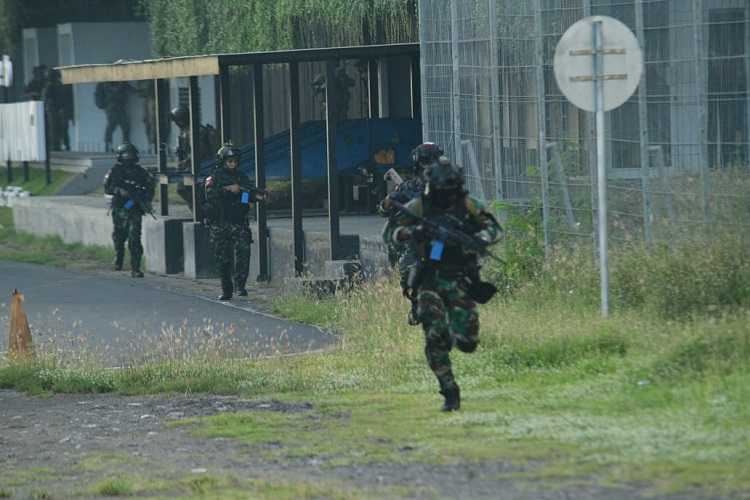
98	43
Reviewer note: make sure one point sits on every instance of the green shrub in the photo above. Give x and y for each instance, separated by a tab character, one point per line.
697	278
721	349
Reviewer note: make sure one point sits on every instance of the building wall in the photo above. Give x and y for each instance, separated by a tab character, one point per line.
92	43
39	47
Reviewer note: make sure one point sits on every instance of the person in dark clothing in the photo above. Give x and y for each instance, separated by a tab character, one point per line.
446	282
132	190
229	194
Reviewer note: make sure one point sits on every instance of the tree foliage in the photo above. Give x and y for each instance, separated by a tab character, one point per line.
18	14
182	27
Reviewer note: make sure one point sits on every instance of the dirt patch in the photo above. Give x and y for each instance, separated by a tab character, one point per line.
64	442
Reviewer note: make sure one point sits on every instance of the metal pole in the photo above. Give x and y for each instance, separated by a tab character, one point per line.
643	127
422	7
700	79
26	173
260	172
747	77
194	140
224	105
600	166
497	144
161	155
456	90
590	143
333	200
47	162
296	169
541	116
372	89
414	79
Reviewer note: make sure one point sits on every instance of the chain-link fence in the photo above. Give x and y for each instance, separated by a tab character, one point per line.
678	151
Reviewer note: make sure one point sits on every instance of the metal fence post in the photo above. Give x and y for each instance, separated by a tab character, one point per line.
643	128
296	168
589	142
541	114
497	144
264	273
747	78
331	172
457	152
700	81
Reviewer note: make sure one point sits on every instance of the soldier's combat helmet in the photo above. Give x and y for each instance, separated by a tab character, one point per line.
425	154
227	152
180	116
126	153
444	182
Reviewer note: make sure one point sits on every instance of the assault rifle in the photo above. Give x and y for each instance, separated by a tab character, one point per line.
135	199
479	290
443	233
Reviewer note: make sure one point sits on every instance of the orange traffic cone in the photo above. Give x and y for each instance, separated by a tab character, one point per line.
19	334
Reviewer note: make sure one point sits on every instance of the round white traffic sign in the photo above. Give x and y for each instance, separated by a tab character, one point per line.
622	63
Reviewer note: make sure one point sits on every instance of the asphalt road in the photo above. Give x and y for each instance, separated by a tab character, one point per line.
118	319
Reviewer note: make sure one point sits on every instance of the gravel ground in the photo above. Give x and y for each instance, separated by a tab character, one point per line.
66	442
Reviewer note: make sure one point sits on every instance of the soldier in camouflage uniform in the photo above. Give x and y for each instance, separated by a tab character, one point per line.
229	193
448	271
404	253
132	189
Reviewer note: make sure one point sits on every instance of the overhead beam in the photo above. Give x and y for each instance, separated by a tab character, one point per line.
179	67
151	69
321	54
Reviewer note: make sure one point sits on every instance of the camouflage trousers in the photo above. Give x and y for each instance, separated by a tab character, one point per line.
407	259
449	318
231	244
127	227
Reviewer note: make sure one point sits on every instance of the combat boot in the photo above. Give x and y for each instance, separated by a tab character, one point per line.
117	264
452	395
135	266
240	288
226	289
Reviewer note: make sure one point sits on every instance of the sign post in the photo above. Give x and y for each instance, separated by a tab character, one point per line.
598	65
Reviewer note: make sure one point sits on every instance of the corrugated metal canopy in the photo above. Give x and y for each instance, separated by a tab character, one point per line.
176	67
151	69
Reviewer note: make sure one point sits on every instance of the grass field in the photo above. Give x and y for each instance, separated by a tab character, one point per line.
656	395
37	184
